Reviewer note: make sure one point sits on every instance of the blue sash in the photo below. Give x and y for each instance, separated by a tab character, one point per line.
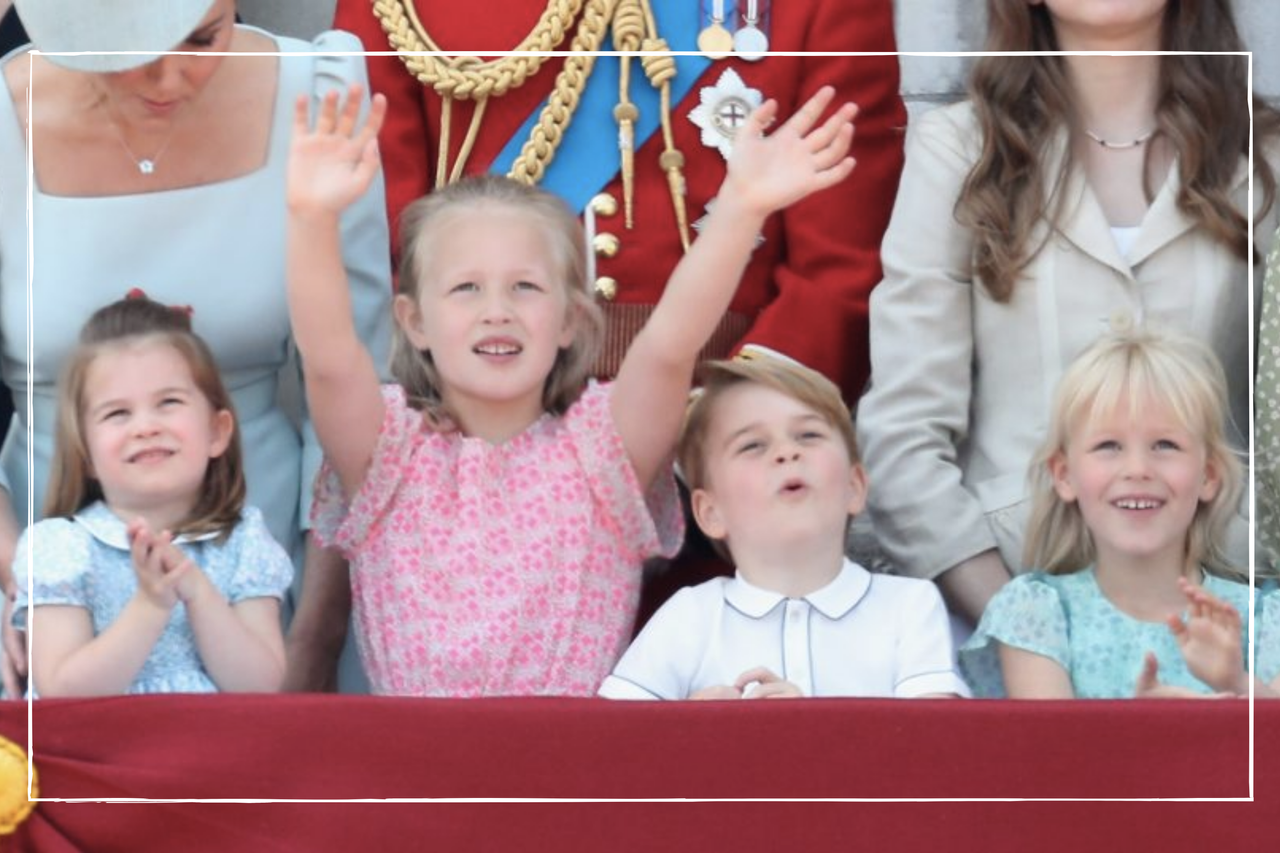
583	165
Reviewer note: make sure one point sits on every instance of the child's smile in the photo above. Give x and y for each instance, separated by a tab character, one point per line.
149	431
1138	479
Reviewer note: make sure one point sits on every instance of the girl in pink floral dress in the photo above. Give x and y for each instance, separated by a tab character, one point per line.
497	506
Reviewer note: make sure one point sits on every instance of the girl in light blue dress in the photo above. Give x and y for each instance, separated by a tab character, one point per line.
1133	490
148	573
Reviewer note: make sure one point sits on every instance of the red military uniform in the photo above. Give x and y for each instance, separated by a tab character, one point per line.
806	289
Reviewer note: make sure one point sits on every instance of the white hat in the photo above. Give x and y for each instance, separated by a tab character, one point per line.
57	26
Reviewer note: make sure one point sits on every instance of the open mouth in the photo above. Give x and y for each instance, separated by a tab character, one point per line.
497	348
793	486
155	454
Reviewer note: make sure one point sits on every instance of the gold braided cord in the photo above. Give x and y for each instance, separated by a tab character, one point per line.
554	120
628	34
469	77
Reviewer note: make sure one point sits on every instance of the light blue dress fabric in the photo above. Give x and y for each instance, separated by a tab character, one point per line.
1068	619
218	247
1267	652
85	562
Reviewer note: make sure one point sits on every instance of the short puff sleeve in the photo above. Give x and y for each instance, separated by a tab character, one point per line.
345	525
1027	613
61	549
263	568
1267	634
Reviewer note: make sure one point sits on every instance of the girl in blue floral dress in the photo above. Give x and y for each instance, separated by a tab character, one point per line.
1133	490
148	573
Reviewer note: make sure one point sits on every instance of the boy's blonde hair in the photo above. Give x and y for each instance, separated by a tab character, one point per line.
782	375
1125	371
415	370
130	322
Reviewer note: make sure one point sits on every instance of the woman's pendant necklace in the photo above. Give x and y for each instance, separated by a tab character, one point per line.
1120	146
146	165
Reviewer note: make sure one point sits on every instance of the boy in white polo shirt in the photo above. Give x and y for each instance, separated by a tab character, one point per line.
769	454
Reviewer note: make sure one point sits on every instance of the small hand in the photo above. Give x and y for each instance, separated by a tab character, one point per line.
767	173
1209	639
154	585
1149	686
181	570
717	691
763	683
13	654
332	165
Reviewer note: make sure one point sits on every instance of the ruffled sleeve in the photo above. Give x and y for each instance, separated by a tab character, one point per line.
365	238
346	525
1027	613
59	553
646	524
263	567
1267	654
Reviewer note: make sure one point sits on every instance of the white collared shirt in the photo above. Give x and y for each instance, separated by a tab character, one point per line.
860	635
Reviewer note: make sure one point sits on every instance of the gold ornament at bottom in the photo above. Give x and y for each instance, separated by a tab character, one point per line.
14	805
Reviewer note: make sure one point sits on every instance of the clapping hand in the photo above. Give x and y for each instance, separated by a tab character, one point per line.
332	164
157	585
1209	639
757	683
767	173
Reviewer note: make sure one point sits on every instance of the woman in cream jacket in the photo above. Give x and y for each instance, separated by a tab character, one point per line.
1051	207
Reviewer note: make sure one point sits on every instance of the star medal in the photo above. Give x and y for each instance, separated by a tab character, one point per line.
722	109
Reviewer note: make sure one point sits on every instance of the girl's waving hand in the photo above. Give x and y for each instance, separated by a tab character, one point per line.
332	164
766	173
771	172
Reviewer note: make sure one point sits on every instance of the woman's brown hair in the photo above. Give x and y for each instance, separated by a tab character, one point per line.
1021	102
130	322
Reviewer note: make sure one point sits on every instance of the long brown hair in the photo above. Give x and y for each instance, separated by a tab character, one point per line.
414	370
129	322
1021	101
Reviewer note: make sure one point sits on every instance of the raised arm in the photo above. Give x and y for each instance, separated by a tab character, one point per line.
765	175
331	166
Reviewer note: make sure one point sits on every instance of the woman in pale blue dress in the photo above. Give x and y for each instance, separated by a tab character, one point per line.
168	176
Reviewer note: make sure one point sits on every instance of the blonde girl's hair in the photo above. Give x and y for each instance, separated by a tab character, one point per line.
1124	372
120	325
1021	102
415	370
